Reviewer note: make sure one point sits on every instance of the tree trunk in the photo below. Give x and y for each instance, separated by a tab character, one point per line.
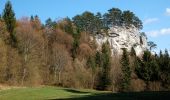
55	74
23	77
59	77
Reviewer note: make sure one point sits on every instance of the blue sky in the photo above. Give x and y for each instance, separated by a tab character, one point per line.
155	14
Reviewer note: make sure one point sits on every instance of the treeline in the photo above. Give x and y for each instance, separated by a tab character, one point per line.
97	23
62	54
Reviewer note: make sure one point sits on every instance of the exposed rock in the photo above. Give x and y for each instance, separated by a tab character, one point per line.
121	37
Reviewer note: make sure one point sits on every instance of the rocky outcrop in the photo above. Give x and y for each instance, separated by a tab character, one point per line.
122	37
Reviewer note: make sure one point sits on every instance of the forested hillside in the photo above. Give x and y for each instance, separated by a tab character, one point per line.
61	53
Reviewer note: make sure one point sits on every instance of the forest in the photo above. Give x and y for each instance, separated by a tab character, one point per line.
61	53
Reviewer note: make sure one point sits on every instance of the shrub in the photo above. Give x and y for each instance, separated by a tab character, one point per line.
137	85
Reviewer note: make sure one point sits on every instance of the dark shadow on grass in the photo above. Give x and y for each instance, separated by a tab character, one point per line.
75	91
124	96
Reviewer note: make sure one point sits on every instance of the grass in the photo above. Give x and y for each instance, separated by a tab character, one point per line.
55	93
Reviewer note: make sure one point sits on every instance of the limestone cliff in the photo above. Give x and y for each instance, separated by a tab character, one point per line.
122	37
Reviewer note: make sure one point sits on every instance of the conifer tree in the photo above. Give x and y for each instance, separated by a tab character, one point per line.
10	21
165	68
98	59
126	71
133	52
75	47
104	75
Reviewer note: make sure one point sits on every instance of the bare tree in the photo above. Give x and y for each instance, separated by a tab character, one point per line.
29	46
60	59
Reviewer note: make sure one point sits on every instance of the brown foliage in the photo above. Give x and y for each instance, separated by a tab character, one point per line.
83	75
84	38
63	38
29	45
84	51
116	73
137	85
60	59
154	86
9	65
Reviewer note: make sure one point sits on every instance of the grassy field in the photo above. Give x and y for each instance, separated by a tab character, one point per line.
55	93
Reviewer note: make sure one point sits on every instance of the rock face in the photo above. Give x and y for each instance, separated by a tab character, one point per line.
121	37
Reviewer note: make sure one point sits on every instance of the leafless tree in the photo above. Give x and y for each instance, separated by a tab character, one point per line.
60	59
29	46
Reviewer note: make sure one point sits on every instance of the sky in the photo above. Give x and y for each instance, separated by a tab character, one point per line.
155	14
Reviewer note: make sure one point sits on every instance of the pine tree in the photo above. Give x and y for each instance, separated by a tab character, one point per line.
75	47
133	52
10	20
68	27
98	59
126	71
104	75
49	23
165	68
151	45
91	62
114	16
148	70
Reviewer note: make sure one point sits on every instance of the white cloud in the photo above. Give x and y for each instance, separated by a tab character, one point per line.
168	11
156	33
150	20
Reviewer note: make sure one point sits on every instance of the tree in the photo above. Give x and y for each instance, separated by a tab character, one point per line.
137	22
133	52
36	23
10	20
126	71
49	23
92	65
60	59
87	22
99	23
29	47
67	26
127	18
74	49
164	63
98	59
114	16
151	45
148	70
144	70
104	75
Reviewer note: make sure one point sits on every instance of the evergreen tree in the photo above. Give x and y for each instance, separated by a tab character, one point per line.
98	59
88	22
149	68
165	68
133	52
68	28
126	71
75	47
104	75
10	20
114	16
127	18
134	59
91	62
151	45
49	23
137	22
99	23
